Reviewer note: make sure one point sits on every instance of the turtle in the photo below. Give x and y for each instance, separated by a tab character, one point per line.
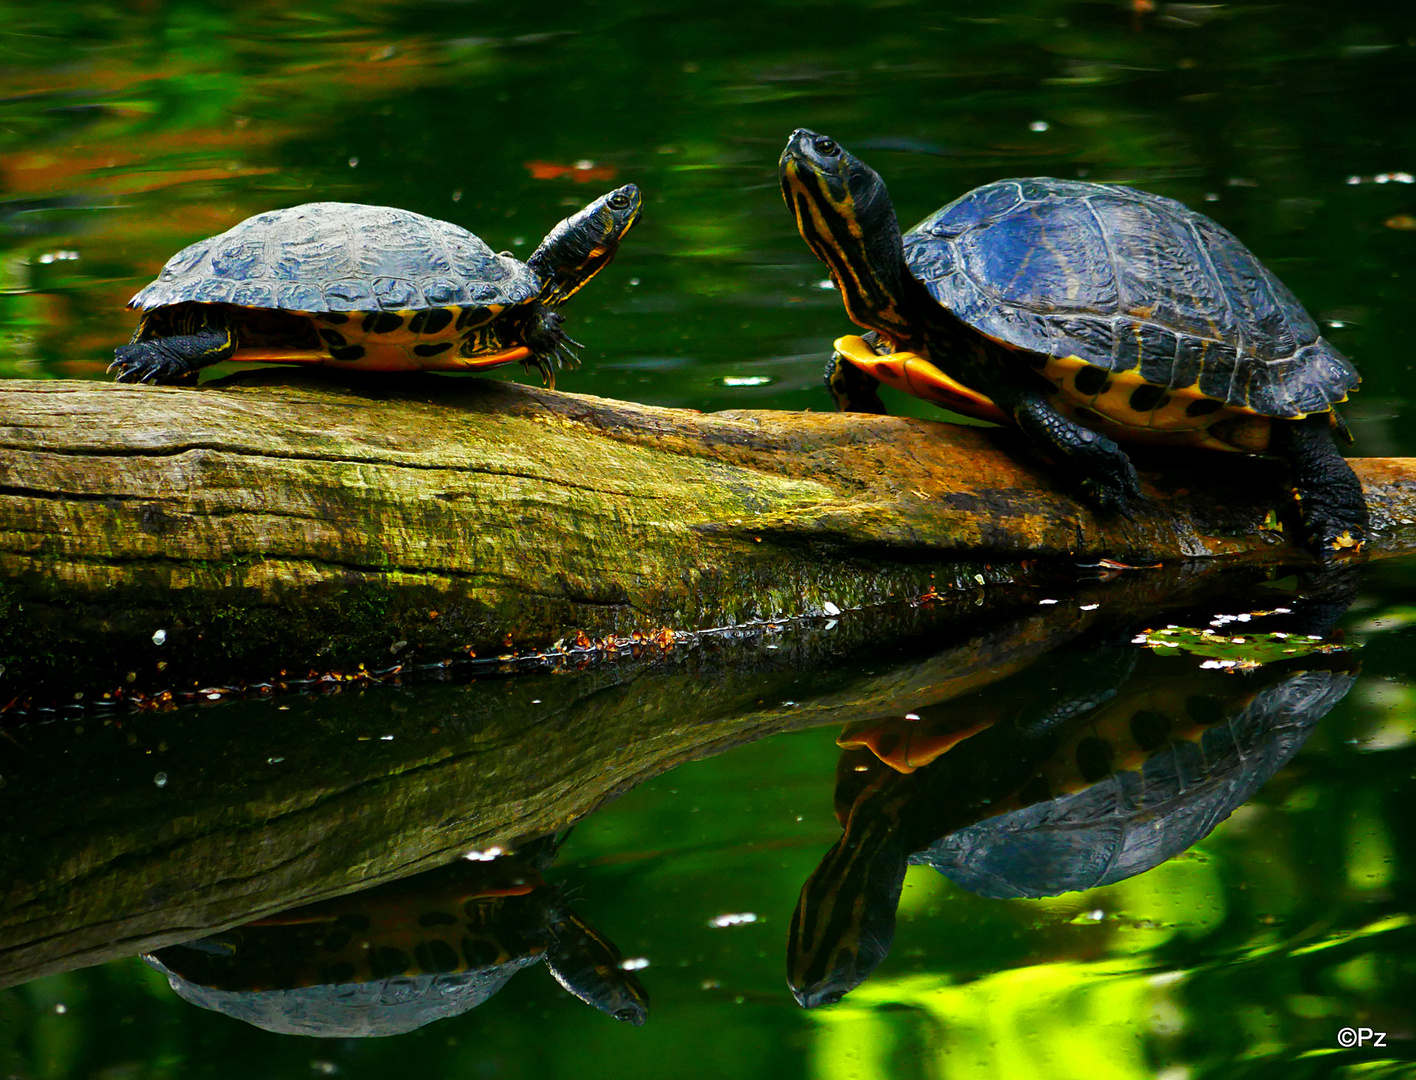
372	288
391	959
1058	792
1086	315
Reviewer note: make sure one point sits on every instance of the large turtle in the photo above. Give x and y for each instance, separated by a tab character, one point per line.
1069	791
371	288
1084	314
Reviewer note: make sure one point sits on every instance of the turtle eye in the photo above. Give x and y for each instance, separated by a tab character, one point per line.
619	201
826	147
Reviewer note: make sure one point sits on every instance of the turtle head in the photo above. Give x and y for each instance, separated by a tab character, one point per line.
843	212
583	244
844	922
588	964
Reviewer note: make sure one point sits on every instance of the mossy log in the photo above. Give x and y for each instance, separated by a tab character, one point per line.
282	518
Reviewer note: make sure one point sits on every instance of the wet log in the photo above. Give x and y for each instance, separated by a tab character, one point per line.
280	518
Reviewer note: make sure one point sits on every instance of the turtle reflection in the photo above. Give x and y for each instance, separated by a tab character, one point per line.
393	958
1121	760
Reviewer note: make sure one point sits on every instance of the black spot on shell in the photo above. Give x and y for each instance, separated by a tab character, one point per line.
435	956
1203	407
337	939
381	322
348	352
1090	380
1035	791
479	953
1088	416
888	744
1093	759
385	962
430	321
1204	709
335	317
1150	729
436	918
432	348
333	338
336	974
1146	398
467	314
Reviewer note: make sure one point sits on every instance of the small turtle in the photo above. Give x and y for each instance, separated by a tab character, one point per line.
371	288
393	958
1084	314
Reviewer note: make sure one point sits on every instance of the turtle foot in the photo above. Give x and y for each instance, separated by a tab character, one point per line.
1115	492
172	359
1330	498
1331	532
1102	471
150	363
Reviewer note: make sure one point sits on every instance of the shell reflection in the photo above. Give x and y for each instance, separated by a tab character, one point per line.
396	957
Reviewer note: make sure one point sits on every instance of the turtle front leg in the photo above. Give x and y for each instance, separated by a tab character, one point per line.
1107	479
1330	499
852	389
550	345
171	359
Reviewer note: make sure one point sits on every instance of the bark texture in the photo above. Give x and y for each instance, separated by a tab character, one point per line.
280	519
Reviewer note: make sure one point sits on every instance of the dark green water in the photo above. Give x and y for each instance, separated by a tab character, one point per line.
127	132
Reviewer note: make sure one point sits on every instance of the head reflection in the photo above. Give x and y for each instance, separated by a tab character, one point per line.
393	958
1098	762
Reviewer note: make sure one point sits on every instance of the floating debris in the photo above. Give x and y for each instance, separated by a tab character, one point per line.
735	919
485	856
1234	652
582	171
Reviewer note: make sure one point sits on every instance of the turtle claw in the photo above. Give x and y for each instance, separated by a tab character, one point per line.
1332	535
1114	495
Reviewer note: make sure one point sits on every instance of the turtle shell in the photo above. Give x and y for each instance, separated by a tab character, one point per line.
390	1006
1129	302
1133	820
336	257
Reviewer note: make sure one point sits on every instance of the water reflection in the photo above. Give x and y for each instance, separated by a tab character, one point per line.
1096	763
391	959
